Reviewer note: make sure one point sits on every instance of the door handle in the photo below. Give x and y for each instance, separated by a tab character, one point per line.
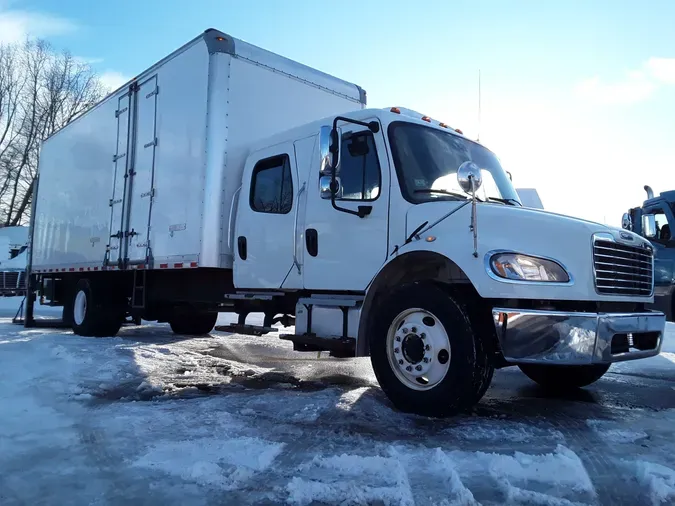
241	246
312	241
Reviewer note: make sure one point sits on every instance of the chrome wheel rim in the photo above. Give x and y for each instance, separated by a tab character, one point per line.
80	307
418	349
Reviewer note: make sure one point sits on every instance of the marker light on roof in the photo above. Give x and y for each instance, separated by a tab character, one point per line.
443	125
426	118
395	110
459	131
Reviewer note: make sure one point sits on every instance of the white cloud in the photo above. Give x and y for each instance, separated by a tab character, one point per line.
16	26
112	80
637	86
662	69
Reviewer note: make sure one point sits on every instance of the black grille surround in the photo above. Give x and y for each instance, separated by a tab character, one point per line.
622	269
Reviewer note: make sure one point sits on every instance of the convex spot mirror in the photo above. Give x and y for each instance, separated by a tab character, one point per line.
469	171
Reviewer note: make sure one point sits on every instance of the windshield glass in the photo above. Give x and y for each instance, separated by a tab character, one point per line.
427	159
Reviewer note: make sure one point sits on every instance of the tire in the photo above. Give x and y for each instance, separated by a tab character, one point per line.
564	377
92	314
423	314
193	323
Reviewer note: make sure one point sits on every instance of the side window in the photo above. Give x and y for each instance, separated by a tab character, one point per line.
359	172
655	226
272	186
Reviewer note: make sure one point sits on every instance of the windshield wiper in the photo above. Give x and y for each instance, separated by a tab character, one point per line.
506	201
446	192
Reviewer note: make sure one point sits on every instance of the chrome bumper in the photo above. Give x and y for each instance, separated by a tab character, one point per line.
577	338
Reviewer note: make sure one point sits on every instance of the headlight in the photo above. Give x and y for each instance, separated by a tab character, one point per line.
519	267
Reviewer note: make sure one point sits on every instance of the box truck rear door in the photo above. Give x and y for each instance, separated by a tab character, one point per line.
142	171
120	159
264	232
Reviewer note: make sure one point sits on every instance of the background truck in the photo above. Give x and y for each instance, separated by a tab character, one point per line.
655	221
229	179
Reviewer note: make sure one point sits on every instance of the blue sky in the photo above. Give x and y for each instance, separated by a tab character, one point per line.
578	97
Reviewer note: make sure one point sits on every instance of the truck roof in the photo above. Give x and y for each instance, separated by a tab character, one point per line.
668	196
387	114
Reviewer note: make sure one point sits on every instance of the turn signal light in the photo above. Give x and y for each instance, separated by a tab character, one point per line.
395	110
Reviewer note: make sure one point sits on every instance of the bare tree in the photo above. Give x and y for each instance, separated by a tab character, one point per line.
41	90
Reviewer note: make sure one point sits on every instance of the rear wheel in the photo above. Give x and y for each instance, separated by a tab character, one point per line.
91	314
424	352
193	323
564	377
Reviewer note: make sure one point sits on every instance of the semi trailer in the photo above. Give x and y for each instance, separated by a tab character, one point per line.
226	178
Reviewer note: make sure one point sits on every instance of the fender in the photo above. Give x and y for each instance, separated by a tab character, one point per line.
405	268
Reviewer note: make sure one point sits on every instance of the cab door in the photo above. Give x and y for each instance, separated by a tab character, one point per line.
264	235
344	251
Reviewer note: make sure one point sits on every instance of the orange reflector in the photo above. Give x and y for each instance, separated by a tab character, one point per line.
430	238
220	38
459	131
395	110
426	118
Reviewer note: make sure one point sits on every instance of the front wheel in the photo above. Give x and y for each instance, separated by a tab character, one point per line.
425	354
564	377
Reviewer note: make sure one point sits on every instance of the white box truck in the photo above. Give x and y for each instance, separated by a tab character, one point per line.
226	178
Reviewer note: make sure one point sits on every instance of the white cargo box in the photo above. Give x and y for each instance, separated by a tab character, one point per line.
147	176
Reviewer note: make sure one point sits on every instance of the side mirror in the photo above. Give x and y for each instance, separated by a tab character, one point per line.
626	222
649	225
325	152
467	172
325	187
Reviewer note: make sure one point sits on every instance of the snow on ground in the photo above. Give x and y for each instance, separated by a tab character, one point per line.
149	417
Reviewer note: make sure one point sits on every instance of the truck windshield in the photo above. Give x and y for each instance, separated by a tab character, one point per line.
427	159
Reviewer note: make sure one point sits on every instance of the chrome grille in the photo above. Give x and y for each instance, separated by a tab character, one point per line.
622	269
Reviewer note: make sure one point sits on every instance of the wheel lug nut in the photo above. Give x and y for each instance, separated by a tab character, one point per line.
405	330
426	360
400	362
427	347
409	368
396	350
419	367
413	330
423	335
398	338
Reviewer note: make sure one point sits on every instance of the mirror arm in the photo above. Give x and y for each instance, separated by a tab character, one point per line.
374	127
474	217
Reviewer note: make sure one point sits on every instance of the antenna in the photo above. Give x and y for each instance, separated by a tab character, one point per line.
478	136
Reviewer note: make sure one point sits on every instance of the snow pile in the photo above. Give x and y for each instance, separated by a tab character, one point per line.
553	478
659	480
226	464
614	435
501	431
340	479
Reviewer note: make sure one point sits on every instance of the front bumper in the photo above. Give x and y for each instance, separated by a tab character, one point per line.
553	337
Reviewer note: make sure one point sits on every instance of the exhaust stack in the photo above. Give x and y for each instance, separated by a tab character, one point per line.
650	192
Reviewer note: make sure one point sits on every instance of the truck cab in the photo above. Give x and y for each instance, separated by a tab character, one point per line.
655	221
406	241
